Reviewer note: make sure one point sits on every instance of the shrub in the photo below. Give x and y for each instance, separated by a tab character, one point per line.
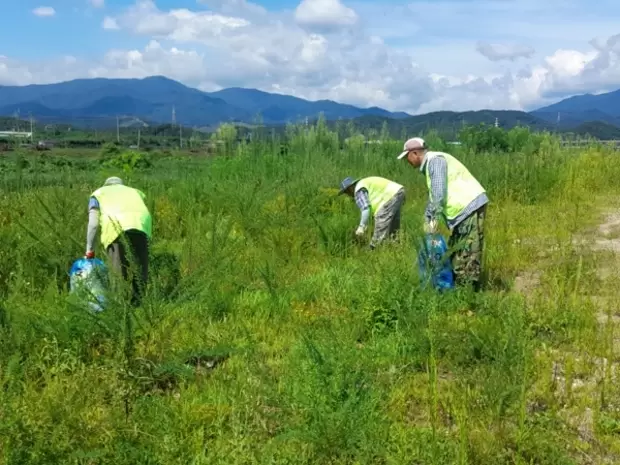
128	161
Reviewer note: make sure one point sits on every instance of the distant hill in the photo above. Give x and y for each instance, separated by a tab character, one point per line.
92	102
597	129
449	123
576	110
279	107
97	103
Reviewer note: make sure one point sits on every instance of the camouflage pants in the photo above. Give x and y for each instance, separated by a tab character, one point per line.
132	248
466	244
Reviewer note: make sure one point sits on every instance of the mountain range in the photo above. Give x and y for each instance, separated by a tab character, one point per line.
583	108
155	100
94	102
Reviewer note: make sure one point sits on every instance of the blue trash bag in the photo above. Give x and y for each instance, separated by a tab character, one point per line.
434	263
88	280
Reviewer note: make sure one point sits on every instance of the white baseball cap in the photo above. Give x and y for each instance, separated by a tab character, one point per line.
113	181
415	143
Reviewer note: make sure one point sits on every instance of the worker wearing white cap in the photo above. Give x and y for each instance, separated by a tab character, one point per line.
458	198
124	220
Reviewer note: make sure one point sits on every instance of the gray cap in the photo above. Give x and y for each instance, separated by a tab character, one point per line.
346	183
415	143
113	181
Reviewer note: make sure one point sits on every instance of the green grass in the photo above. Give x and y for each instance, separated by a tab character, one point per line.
269	336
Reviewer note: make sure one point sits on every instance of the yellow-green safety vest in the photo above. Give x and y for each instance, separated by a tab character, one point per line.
380	191
121	208
462	187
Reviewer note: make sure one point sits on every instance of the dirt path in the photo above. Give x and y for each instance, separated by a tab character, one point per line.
580	376
604	241
609	232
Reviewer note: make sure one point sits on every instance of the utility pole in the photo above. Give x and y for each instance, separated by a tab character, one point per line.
31	130
138	138
118	132
180	136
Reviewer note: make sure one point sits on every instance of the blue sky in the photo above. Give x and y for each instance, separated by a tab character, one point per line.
416	56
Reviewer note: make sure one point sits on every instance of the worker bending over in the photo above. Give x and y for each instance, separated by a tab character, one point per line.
126	229
380	197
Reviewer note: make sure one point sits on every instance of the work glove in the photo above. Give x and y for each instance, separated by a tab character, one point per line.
90	254
359	232
430	227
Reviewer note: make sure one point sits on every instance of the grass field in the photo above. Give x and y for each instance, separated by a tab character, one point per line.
269	336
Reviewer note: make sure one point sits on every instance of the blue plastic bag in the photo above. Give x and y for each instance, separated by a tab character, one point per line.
434	263
88	280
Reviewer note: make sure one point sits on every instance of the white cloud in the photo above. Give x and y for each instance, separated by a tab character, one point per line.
110	23
499	52
180	25
44	11
152	60
97	3
452	58
324	14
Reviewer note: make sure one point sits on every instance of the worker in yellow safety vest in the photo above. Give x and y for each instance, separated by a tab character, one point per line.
460	200
119	213
380	197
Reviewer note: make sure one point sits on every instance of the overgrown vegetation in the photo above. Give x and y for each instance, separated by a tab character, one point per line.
269	335
98	132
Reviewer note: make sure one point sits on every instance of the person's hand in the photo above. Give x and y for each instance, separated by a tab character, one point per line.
90	254
359	232
430	227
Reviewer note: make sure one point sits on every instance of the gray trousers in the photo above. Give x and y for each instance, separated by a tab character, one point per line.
387	219
127	251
